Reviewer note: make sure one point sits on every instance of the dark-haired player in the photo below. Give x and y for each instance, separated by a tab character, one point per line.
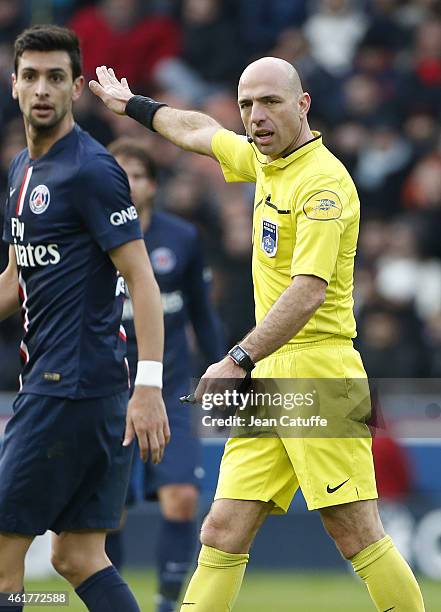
70	224
175	254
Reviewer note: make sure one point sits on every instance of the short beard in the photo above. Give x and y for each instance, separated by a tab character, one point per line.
45	128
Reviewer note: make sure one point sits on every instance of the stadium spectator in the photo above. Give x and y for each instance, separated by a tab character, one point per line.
373	241
386	29
382	165
422	187
404	276
387	351
380	64
8	109
392	468
210	43
433	339
13	19
362	101
422	131
114	33
260	22
333	33
421	88
348	140
12	142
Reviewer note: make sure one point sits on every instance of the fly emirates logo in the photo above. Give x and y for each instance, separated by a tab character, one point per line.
30	255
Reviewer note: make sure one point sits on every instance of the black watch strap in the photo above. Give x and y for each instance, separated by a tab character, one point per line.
241	358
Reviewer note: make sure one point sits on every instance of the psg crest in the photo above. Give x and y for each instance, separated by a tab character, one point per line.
269	237
163	260
39	199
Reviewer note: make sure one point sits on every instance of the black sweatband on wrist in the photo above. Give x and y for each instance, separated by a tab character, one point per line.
143	110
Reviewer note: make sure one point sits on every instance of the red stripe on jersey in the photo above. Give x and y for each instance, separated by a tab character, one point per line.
23	189
24	352
24	301
122	333
128	370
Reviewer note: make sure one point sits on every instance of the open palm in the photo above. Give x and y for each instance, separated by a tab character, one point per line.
115	94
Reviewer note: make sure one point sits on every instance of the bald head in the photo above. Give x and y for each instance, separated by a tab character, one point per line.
273	71
273	106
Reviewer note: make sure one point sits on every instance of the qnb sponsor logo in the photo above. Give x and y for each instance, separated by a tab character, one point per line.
120	288
123	216
207	275
127	313
171	303
31	256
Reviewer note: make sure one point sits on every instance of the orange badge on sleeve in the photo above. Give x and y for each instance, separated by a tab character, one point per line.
323	206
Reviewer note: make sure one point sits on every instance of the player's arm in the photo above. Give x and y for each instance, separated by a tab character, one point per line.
202	316
189	130
146	415
9	303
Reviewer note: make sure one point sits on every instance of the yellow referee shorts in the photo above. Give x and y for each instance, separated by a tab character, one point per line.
329	470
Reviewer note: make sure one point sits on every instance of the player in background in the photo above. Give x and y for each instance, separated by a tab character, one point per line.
305	227
175	253
66	455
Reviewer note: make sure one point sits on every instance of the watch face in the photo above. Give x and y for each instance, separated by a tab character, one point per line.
237	354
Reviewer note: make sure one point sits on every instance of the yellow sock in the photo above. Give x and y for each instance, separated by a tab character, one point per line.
216	582
390	581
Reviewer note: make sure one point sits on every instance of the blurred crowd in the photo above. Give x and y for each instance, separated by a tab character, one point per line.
373	69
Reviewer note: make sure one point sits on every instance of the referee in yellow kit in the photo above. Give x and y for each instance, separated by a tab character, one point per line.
306	217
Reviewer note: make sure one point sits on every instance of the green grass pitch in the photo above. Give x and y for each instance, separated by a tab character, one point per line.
264	592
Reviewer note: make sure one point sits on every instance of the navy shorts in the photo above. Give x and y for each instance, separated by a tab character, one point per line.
62	466
182	459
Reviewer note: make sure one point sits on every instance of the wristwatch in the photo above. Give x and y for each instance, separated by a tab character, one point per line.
241	358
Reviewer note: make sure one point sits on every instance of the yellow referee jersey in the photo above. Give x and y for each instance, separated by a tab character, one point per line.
306	217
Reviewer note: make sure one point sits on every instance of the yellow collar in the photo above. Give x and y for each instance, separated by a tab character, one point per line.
282	162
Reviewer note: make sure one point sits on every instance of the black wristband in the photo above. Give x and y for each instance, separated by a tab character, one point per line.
143	110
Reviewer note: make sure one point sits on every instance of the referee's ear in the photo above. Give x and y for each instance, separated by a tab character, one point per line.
304	104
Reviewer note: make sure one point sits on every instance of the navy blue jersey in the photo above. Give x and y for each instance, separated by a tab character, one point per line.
175	253
64	211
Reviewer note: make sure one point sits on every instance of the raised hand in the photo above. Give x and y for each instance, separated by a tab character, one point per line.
115	94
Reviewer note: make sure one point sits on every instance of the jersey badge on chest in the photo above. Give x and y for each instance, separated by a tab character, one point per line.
163	260
39	199
270	236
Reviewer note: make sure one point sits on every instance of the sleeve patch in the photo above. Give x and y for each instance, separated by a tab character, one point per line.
323	206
